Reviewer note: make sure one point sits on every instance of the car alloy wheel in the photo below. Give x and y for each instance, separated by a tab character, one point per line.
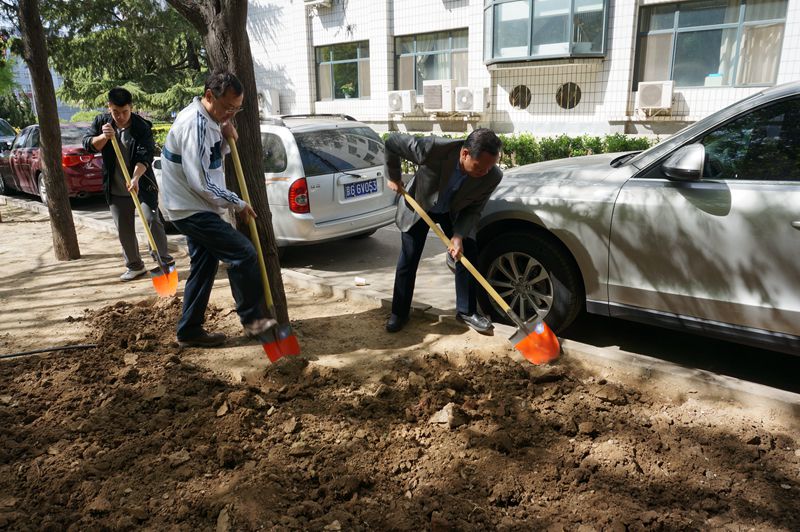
42	189
534	276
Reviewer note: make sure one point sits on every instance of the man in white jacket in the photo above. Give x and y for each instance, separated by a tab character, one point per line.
194	198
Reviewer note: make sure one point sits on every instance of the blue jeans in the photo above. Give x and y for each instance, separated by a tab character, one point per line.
413	243
210	240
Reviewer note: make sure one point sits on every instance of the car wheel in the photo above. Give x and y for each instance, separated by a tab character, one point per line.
366	234
535	278
3	190
42	188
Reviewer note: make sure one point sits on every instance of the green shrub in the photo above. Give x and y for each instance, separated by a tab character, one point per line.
160	130
84	116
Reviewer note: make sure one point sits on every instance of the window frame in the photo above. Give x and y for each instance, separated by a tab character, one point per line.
489	14
449	50
330	63
739	26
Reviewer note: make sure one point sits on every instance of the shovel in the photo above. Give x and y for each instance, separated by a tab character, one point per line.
279	341
165	277
534	339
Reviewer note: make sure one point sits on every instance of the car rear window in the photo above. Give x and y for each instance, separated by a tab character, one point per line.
71	135
6	130
343	149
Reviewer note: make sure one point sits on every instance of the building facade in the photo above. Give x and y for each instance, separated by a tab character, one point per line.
540	66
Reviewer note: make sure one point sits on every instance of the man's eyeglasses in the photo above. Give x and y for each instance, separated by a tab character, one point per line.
233	110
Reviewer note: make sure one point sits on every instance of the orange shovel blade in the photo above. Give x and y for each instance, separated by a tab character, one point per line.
539	345
166	284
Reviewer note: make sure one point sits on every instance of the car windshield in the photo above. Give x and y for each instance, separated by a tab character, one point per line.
339	150
71	135
6	130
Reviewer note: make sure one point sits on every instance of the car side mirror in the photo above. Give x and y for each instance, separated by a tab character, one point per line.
686	164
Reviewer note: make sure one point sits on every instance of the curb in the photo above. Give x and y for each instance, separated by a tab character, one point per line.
634	367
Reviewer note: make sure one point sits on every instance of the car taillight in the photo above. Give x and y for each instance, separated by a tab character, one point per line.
75	160
298	197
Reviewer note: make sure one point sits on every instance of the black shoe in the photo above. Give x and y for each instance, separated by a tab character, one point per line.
478	323
205	339
395	323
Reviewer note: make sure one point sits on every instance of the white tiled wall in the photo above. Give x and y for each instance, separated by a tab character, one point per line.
284	33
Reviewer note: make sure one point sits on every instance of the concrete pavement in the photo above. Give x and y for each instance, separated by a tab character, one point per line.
334	267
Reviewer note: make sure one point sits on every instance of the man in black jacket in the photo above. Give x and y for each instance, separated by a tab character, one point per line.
453	182
135	137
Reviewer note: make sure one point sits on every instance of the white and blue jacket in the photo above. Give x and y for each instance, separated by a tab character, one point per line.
192	169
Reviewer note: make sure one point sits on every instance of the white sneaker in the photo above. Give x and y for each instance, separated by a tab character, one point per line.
130	275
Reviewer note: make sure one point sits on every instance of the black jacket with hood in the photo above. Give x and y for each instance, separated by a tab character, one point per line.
142	151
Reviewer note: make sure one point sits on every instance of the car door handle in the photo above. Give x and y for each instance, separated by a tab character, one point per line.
796	224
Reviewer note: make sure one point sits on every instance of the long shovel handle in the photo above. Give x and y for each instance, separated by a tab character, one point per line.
251	223
467	264
135	196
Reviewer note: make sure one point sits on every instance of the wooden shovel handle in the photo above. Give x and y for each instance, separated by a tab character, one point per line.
467	264
251	222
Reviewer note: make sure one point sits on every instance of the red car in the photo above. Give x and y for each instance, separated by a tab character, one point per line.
83	170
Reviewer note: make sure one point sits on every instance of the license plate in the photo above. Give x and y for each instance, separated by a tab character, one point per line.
361	188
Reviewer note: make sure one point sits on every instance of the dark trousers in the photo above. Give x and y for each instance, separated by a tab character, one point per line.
210	240
413	243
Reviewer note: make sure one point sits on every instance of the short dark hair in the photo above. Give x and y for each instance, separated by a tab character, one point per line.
220	81
482	140
120	97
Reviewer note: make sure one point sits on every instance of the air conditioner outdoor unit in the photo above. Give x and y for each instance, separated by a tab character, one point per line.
437	95
470	100
268	102
402	101
654	95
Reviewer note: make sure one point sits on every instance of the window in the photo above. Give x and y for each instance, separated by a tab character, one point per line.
328	151
6	129
274	153
544	29
441	55
343	71
711	43
19	142
71	135
762	145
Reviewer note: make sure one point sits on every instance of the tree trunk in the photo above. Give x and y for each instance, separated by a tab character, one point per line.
65	240
223	26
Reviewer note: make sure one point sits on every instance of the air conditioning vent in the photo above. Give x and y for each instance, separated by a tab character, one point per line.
268	103
470	100
654	95
402	101
437	95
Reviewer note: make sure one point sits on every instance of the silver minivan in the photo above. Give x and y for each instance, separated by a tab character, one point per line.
325	178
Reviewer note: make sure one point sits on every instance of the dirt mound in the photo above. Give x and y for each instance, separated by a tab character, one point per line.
130	435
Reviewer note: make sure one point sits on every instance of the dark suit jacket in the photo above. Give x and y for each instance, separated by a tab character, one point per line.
436	159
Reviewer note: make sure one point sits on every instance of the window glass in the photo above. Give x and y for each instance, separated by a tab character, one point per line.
762	145
19	142
274	153
341	71
71	135
487	33
655	55
6	129
712	46
764	10
657	18
334	150
550	27
433	56
760	54
708	13
33	138
704	57
511	29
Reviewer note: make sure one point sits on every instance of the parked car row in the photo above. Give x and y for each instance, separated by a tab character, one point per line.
21	165
698	233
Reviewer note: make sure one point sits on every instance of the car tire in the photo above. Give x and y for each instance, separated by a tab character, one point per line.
3	189
557	293
41	188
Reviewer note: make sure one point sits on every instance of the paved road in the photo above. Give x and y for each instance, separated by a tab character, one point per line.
374	258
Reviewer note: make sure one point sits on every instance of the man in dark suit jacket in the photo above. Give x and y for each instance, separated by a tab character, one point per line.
454	180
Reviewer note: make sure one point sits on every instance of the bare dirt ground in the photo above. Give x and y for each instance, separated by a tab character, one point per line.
435	428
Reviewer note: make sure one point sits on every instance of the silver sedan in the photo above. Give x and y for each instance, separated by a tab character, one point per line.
700	232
